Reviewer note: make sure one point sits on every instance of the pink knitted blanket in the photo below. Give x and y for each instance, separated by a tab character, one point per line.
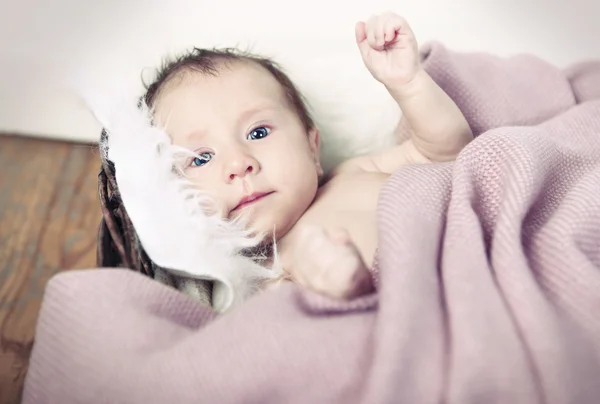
488	281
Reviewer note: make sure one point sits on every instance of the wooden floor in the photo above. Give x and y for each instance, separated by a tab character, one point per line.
49	214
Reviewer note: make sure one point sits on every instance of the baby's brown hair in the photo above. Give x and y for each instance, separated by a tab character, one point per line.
118	244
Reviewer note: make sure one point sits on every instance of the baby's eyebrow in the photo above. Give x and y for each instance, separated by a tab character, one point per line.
195	135
250	112
192	138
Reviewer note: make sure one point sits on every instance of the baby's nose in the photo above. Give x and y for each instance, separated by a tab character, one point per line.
242	167
241	173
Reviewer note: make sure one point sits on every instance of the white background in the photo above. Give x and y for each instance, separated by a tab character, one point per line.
44	42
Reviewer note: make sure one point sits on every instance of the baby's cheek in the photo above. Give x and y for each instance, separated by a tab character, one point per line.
211	203
212	207
212	198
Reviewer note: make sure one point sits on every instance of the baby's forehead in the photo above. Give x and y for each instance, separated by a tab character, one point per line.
235	78
237	91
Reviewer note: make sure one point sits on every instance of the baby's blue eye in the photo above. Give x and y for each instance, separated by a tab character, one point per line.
202	160
259	133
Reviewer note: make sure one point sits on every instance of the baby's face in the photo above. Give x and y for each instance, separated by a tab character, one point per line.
257	158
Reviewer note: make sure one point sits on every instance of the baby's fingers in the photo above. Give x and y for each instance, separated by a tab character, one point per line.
360	31
310	242
380	34
375	33
393	28
397	27
338	235
390	28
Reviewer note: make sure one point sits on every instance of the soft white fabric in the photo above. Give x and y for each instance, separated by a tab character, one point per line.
354	113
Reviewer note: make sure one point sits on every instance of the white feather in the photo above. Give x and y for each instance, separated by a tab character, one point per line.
171	217
355	114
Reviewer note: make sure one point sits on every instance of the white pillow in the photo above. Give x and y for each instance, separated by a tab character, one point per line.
354	112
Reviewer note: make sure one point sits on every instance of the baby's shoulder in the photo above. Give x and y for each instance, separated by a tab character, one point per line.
354	165
357	175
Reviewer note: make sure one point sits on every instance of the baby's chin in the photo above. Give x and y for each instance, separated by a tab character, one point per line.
266	227
265	221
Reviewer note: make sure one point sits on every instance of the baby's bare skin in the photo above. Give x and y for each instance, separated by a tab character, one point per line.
259	159
433	129
347	201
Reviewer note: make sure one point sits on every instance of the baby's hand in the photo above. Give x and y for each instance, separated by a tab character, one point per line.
327	262
389	49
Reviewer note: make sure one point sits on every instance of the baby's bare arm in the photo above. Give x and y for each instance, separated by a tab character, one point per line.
433	129
438	129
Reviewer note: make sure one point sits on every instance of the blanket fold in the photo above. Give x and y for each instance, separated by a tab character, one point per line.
488	281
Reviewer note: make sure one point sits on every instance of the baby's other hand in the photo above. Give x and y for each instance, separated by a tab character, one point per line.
389	49
327	262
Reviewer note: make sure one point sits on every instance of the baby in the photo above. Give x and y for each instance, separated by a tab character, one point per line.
258	150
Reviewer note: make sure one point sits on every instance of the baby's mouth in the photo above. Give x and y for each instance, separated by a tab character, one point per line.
250	200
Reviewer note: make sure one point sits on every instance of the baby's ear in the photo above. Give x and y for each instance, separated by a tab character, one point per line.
314	142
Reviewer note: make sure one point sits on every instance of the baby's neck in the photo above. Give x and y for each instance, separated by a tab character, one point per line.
265	252
284	251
